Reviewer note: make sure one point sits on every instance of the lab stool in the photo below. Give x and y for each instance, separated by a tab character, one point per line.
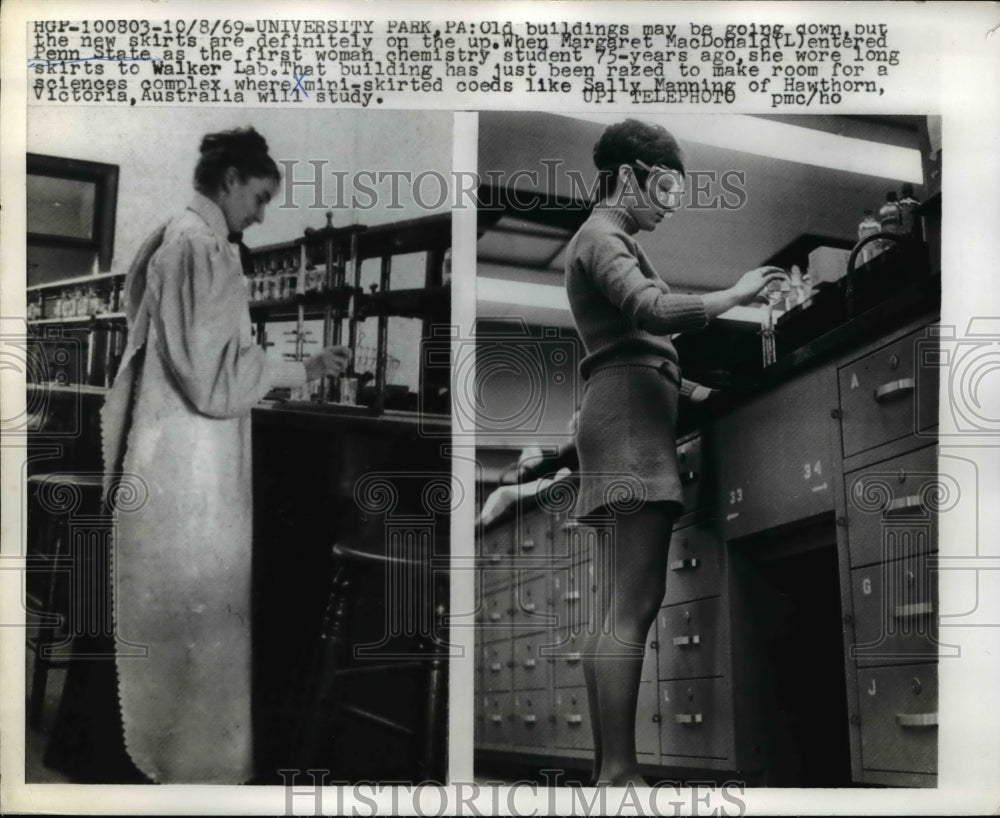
68	592
342	675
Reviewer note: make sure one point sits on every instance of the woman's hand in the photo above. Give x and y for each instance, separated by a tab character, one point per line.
751	283
331	361
743	292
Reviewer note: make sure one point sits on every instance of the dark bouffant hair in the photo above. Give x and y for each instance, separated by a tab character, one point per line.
624	142
240	148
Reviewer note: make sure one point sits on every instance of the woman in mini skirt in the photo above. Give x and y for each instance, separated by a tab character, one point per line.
626	434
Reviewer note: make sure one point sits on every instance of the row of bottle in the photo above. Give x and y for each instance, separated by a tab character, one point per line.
275	277
898	215
75	303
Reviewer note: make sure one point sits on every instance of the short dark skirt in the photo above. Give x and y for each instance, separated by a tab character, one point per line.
626	440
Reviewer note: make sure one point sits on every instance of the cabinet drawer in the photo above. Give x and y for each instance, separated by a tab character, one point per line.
495	664
534	540
891	508
497	724
532	603
575	596
647	721
899	718
696	719
777	456
573	730
580	542
895	612
884	397
567	659
532	718
495	614
650	655
691	640
694	568
695	485
532	670
497	546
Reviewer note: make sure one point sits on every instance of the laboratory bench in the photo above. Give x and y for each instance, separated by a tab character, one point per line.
797	640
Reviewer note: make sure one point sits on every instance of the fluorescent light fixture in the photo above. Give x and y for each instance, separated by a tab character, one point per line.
521	294
548	296
792	143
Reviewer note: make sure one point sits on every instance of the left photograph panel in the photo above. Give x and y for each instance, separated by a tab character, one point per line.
236	482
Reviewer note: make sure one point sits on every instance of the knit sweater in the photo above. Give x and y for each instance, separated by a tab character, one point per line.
623	310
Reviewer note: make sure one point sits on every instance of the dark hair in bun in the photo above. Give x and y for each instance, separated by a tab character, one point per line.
624	142
240	148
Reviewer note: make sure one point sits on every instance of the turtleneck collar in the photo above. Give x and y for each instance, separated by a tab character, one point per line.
619	217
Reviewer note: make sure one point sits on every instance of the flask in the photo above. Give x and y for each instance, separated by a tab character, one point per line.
889	219
910	224
867	227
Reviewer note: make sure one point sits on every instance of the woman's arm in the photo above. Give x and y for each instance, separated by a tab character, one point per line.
615	270
201	301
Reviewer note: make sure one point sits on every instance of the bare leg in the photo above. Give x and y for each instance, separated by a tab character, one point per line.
615	655
590	679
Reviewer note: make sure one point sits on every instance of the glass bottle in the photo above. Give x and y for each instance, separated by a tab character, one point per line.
867	227
910	224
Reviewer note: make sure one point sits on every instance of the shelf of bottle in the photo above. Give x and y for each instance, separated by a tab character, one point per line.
78	319
92	278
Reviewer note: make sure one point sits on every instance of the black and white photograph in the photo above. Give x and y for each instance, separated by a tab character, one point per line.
708	355
237	496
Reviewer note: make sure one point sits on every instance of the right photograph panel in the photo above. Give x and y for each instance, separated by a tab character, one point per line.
708	351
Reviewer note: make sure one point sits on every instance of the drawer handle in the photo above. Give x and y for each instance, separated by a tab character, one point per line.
574	718
681	641
688	477
527	545
496	616
528	663
571	596
529	718
496	667
529	608
495	558
573	658
887	390
915	609
902	504
688	718
496	718
570	525
917	719
684	565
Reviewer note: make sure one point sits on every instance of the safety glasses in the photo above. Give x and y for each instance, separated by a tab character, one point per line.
664	185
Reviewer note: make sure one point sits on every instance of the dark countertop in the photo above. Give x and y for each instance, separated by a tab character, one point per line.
360	418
